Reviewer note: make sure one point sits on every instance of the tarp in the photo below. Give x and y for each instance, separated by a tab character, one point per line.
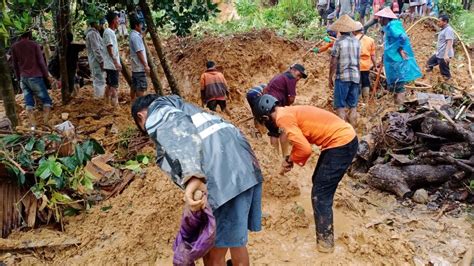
196	236
397	69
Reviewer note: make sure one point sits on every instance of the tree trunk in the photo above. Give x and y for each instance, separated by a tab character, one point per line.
63	15
159	48
440	128
401	180
6	86
153	73
126	73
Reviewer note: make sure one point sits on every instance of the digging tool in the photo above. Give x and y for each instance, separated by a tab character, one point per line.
316	45
376	83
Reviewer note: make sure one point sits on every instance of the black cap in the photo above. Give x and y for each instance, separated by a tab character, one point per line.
300	68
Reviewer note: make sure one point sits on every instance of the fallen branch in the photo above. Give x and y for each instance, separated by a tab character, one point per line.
447	157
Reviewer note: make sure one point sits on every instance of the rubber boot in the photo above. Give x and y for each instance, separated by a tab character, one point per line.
46	111
325	244
31	119
365	93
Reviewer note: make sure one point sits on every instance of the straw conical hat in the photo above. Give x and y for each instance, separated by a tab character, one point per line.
386	13
344	24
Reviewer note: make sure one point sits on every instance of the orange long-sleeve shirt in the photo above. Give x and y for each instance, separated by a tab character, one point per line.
306	125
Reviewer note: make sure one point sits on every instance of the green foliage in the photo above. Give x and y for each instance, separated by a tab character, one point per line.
452	8
94	10
290	18
246	8
183	14
464	24
137	164
50	177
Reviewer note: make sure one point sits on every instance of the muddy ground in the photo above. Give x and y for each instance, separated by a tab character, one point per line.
371	227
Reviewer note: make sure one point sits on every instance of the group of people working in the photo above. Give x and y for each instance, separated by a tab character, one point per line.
330	10
202	151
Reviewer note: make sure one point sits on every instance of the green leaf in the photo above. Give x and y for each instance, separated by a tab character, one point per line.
70	211
30	144
70	162
79	154
56	169
106	208
44	169
40	146
10	139
145	160
38	190
54	138
87	183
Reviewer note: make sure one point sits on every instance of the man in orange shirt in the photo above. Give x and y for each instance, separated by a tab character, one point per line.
214	89
367	58
305	125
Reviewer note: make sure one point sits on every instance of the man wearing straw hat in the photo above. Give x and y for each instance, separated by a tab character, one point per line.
345	65
398	57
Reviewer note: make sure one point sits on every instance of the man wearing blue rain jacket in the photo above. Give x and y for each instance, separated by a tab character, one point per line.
398	58
203	152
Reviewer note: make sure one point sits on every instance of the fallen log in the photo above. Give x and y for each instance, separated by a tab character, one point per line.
401	180
389	178
440	128
457	150
447	157
367	147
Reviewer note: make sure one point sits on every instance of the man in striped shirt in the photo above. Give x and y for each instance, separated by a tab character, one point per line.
214	89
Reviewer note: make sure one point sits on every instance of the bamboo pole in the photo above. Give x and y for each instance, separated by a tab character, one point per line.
460	40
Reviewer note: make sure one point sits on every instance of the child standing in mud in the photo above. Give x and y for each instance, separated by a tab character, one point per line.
305	125
200	151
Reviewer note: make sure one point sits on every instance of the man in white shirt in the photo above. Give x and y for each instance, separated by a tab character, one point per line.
123	31
139	61
112	64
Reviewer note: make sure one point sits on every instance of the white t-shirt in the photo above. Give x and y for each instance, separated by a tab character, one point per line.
136	45
109	38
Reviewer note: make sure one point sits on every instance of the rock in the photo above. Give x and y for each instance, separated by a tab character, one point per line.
420	196
64	116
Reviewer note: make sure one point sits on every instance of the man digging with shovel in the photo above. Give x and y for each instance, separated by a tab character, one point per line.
305	125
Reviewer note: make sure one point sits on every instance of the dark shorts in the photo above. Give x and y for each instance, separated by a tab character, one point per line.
212	104
112	78
398	87
346	94
237	216
364	79
139	82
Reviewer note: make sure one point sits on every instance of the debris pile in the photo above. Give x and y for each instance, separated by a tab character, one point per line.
430	143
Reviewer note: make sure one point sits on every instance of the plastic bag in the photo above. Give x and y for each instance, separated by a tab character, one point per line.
196	236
